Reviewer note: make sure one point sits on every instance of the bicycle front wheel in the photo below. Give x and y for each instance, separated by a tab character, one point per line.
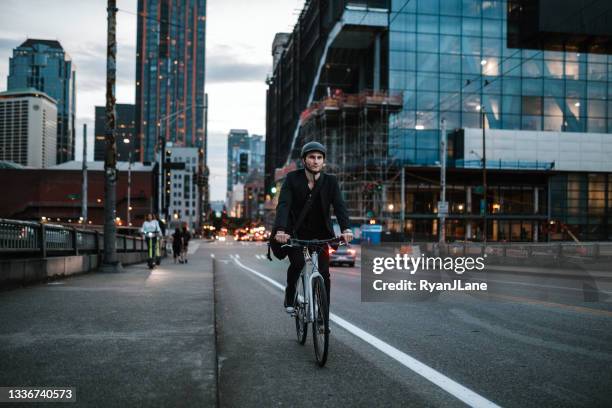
320	325
300	306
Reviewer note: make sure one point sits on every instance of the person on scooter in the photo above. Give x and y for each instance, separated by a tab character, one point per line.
151	225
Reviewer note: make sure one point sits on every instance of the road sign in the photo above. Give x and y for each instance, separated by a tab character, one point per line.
74	196
442	208
479	189
482	206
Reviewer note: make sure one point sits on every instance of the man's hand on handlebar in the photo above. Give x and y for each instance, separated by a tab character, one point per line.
282	237
347	235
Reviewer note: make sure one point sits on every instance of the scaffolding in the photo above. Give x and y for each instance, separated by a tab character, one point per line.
355	130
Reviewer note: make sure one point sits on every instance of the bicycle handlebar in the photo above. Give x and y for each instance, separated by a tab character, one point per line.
293	242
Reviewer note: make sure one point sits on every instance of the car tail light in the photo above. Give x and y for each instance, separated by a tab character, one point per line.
351	251
331	250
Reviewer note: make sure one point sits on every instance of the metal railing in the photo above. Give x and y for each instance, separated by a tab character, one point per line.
42	239
553	250
503	164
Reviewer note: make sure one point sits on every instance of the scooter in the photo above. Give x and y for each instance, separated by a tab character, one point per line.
153	257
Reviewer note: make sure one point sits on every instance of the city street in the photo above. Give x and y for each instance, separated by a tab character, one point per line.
509	348
145	337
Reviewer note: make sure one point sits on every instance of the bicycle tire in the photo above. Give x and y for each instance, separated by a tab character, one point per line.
301	327
320	324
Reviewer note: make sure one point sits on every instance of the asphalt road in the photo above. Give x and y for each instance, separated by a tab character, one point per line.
532	341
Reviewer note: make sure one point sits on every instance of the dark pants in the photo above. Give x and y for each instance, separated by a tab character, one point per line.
296	258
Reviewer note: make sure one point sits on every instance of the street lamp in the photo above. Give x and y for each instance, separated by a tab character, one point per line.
484	178
129	185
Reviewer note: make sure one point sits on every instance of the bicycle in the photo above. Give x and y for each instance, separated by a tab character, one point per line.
310	302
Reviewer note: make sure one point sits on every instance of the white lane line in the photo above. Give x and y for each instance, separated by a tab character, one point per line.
452	387
212	255
237	256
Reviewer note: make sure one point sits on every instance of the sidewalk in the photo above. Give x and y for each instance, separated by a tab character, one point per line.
138	338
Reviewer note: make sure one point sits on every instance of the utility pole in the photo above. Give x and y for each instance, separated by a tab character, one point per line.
202	203
161	146
84	190
129	190
484	179
442	210
110	262
403	199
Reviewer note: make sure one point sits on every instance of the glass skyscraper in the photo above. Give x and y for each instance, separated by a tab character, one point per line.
45	66
523	88
450	58
170	67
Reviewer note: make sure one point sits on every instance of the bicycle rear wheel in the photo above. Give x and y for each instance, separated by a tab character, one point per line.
320	325
301	327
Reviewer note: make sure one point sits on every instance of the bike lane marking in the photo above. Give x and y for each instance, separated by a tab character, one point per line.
452	387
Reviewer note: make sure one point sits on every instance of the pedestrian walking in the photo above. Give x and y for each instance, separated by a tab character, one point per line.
177	245
186	237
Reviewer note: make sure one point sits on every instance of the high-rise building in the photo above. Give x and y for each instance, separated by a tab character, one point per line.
125	133
245	156
378	80
170	67
181	186
28	133
238	145
45	66
257	153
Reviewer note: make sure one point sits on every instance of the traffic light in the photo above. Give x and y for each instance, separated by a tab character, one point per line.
244	163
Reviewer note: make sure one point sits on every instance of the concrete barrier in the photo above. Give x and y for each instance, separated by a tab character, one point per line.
15	272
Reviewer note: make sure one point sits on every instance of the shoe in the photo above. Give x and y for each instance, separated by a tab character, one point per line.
185	260
288	303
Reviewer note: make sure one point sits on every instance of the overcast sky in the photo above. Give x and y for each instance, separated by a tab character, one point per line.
238	58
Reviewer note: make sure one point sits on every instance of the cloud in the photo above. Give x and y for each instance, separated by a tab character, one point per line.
90	62
226	64
7	44
235	71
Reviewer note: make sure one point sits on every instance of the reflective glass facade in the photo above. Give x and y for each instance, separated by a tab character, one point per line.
449	57
44	65
170	73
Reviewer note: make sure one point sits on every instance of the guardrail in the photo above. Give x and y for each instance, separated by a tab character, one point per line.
556	250
43	239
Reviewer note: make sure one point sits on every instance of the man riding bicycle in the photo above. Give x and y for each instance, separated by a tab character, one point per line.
317	224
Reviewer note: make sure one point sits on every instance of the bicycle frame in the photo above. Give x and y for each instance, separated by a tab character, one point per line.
309	277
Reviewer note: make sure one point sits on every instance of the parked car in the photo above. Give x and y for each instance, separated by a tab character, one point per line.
343	255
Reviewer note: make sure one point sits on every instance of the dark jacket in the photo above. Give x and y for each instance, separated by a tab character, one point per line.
177	241
294	194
